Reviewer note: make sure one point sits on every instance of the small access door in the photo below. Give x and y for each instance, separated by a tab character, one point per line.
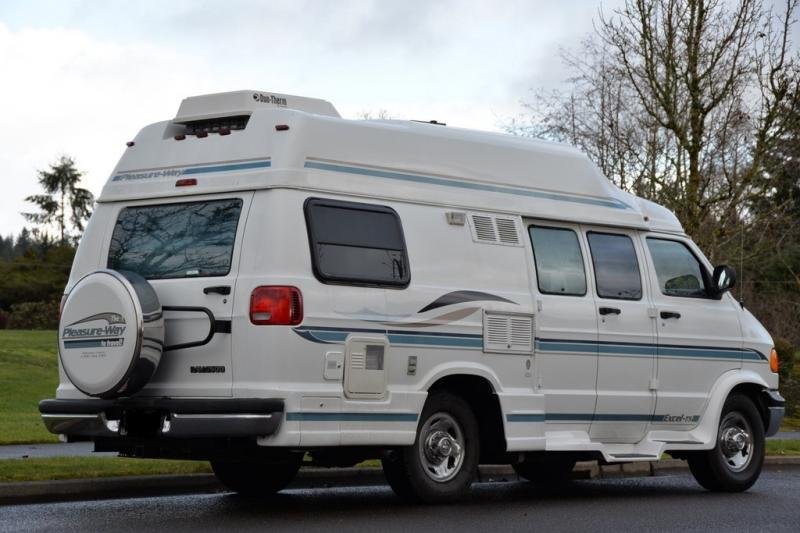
626	335
188	249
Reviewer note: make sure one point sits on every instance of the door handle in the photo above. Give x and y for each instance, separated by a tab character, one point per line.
219	289
609	311
670	314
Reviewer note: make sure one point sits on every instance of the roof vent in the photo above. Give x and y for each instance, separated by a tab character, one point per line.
237	104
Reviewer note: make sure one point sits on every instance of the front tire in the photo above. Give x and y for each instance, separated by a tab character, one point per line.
441	464
735	462
257	478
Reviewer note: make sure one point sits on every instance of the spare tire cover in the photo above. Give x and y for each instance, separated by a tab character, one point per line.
111	333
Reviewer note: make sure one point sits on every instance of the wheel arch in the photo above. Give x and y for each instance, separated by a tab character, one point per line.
481	396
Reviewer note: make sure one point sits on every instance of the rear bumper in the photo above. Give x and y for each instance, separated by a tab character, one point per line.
163	417
775	410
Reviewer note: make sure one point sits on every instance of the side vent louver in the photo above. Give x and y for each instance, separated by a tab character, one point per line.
507	333
494	230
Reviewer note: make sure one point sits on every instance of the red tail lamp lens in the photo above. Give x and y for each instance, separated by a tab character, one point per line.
276	306
186	182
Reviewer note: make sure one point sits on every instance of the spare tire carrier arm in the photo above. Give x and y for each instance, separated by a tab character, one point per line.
215	326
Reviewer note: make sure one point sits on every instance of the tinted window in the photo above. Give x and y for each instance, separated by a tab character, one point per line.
678	270
559	262
356	243
616	268
176	240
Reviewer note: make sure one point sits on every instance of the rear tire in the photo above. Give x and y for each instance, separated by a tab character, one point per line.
735	462
548	470
257	478
441	464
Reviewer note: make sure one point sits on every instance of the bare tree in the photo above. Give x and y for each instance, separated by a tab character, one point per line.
680	101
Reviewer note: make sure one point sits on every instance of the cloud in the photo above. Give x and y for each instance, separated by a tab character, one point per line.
65	92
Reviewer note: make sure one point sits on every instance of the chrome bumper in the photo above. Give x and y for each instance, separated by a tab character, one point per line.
163	417
775	411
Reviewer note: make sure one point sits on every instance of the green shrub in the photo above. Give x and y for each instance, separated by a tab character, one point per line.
790	384
34	315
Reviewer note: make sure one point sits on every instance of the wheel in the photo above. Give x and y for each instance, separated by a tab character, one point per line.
551	469
734	464
441	464
257	478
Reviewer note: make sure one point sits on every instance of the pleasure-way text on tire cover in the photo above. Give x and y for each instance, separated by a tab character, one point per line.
263	281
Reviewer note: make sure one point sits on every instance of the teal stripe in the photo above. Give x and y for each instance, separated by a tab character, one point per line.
176	172
648	350
228	168
613	417
351	417
435	340
447	182
404	338
532	417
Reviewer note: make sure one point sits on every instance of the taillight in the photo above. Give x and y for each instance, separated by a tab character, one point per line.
276	306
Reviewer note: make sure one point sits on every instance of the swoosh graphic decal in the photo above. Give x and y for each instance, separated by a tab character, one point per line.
458	297
440	320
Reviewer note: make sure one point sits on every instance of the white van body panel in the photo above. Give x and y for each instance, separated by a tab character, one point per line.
628	386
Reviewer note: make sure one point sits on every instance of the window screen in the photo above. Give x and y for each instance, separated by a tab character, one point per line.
678	270
559	262
616	268
356	243
176	240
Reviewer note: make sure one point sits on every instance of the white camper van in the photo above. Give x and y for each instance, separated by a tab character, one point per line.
263	281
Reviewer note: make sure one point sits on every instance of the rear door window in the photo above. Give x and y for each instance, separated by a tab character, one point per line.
616	268
177	240
559	262
678	270
354	243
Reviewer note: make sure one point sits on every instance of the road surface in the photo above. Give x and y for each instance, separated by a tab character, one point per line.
664	503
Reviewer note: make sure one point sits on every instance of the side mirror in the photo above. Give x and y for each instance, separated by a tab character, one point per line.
724	279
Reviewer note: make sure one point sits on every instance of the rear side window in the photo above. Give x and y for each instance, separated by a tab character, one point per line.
192	239
354	243
559	262
678	270
616	268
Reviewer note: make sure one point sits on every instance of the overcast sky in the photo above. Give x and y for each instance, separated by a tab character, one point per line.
82	77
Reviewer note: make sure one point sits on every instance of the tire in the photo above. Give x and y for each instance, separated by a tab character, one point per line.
549	470
257	478
735	462
441	464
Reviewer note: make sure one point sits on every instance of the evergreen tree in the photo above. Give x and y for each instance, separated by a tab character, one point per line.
63	203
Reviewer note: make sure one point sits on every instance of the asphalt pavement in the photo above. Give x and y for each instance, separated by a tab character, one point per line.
664	503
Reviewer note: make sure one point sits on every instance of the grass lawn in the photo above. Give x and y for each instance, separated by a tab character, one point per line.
783	447
48	468
28	373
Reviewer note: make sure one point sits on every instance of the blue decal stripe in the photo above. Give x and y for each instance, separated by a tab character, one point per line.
647	350
351	417
525	417
448	182
598	417
176	172
228	168
414	338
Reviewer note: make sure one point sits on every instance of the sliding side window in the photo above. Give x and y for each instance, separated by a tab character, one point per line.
616	268
356	244
559	262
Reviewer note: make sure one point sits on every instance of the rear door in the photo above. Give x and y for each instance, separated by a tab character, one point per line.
566	326
188	249
626	331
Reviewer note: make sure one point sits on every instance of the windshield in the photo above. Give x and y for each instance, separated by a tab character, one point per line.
179	240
